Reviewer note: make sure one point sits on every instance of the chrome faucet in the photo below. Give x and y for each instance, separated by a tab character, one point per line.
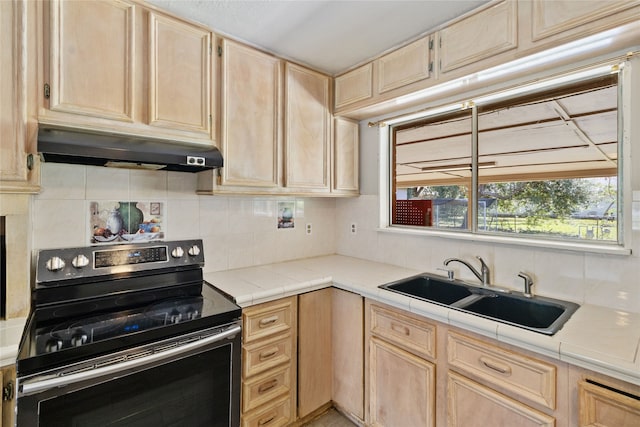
484	276
528	283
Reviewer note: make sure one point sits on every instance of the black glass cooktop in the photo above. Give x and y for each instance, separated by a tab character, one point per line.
54	337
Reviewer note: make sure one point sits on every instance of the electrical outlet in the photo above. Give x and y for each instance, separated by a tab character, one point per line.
354	228
308	228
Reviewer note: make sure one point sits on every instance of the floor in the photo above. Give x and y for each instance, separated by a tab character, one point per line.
331	418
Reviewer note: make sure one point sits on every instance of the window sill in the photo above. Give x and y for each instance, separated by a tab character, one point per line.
482	238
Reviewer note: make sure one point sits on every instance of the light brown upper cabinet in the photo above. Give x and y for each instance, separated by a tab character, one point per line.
114	65
491	35
15	172
551	20
345	164
406	65
251	117
353	86
387	76
307	129
469	42
276	130
179	75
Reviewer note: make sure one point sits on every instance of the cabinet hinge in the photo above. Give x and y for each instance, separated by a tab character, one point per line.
7	392
431	67
47	90
431	44
30	161
219	50
440	42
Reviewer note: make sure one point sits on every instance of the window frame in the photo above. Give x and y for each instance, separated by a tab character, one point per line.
622	246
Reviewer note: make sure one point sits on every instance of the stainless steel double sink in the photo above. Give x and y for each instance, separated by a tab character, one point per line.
538	314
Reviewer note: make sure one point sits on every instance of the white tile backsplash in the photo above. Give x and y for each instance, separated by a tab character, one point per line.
237	231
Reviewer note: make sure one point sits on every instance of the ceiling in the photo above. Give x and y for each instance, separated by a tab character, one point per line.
329	36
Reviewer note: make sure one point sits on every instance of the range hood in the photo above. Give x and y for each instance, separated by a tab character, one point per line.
61	145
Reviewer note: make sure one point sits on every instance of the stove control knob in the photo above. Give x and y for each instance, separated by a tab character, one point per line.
175	316
53	344
55	264
192	313
194	250
177	252
79	338
80	261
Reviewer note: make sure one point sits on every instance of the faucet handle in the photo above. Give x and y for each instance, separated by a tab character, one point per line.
528	283
449	273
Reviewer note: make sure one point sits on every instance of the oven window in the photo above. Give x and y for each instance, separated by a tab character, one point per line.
194	391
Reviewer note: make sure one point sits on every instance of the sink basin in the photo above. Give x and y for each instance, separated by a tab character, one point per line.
538	314
430	288
543	315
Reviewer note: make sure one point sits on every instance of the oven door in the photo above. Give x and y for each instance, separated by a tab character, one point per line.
191	381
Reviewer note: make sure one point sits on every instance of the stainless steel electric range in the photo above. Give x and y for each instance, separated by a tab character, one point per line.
129	335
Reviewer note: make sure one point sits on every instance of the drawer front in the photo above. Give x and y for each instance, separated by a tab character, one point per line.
266	354
411	334
268	319
519	375
277	414
265	388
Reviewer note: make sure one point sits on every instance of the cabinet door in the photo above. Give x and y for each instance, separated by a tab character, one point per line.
354	86
348	353
307	129
554	17
179	75
346	145
91	58
471	404
604	407
480	36
403	66
401	387
250	119
13	158
314	351
7	379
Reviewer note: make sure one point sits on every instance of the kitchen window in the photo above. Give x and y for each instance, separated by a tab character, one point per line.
541	162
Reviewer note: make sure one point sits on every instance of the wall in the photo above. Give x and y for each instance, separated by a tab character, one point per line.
237	231
586	278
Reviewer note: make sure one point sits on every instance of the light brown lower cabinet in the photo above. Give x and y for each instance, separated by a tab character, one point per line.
330	352
347	341
8	383
269	363
401	382
602	406
401	387
471	404
314	351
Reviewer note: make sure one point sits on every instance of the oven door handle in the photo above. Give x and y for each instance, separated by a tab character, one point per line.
37	384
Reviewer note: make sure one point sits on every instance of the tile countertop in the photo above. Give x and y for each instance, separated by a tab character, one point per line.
596	338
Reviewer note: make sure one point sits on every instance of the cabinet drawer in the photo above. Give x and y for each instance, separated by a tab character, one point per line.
265	388
409	333
605	407
268	319
516	374
264	355
277	414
